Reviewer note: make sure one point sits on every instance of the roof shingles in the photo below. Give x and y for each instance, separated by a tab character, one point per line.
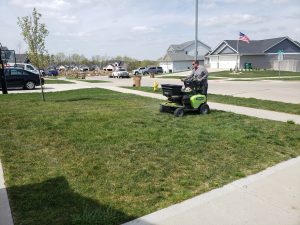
255	46
173	56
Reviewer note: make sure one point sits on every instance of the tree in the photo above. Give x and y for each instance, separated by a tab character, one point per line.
60	58
34	34
84	60
76	59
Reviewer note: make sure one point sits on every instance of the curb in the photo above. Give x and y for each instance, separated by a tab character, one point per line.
5	212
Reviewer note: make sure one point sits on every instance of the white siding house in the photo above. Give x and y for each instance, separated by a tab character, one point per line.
262	54
180	57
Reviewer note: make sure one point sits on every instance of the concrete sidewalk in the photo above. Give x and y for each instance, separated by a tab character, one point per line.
271	197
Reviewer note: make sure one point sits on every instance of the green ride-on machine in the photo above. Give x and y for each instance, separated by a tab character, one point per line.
184	100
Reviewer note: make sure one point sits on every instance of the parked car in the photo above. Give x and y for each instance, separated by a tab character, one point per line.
138	70
51	72
84	68
18	77
121	73
155	70
26	66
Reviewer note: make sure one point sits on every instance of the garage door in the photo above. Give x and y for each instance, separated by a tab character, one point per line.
214	62
227	62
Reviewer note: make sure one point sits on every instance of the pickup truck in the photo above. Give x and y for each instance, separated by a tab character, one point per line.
139	70
121	73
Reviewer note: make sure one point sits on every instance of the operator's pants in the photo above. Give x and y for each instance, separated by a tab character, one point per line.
204	87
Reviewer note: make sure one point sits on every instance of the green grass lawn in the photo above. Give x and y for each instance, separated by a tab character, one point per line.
248	102
295	78
100	157
264	75
253	74
55	81
54	77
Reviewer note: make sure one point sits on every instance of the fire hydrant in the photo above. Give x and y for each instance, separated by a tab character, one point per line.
155	86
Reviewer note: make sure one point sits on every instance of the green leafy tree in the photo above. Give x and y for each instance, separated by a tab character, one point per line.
34	33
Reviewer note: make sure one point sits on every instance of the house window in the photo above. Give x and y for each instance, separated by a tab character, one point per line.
186	52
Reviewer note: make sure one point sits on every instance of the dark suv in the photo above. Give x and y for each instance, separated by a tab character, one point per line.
17	77
154	70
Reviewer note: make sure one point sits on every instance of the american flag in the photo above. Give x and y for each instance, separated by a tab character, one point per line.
244	37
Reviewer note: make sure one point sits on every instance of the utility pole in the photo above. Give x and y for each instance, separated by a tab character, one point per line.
196	32
2	75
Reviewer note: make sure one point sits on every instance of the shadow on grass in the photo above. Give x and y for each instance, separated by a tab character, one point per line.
75	99
81	99
54	202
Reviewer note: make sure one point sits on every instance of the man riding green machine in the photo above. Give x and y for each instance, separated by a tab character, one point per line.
191	97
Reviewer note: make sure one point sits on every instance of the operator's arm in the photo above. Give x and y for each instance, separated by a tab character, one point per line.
190	76
203	75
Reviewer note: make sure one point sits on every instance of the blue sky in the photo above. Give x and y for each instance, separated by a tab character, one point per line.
144	29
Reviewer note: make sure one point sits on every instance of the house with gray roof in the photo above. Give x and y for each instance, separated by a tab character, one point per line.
7	55
11	57
263	54
22	58
180	57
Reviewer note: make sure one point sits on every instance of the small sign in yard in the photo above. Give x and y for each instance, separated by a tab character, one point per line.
280	55
280	58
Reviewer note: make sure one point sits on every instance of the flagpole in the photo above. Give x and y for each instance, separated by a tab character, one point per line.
196	31
237	56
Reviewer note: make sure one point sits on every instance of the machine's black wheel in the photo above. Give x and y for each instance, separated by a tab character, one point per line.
204	109
179	112
162	108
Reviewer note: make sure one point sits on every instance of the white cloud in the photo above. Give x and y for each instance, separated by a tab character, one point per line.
232	19
68	19
72	34
41	4
145	29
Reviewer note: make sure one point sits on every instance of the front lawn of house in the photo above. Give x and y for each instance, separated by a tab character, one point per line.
253	74
99	157
247	75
